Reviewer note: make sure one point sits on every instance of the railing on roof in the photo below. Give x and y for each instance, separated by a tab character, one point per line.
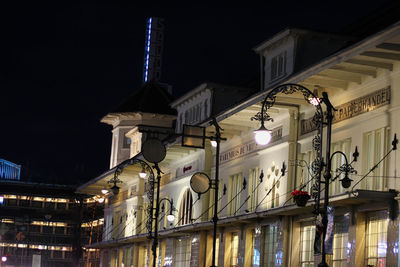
9	170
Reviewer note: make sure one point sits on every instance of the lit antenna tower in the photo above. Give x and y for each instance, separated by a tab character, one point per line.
153	49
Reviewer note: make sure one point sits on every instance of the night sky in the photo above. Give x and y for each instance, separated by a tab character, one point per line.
64	65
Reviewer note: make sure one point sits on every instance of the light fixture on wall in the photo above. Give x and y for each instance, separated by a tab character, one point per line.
104	191
170	216
142	173
314	98
213	143
321	119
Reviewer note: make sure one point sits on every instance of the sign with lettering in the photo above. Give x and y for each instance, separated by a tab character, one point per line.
247	148
353	108
187	168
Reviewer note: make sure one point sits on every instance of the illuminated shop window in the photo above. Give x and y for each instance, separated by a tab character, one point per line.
235	185
182	250
375	146
255	253
376	239
185	208
270	256
341	248
307	236
216	251
234	249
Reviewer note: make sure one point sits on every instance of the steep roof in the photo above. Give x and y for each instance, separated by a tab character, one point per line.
150	98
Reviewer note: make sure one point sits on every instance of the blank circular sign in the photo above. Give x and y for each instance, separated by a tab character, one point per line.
153	150
200	182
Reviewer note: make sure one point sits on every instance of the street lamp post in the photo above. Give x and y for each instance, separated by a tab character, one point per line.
154	152
202	183
263	137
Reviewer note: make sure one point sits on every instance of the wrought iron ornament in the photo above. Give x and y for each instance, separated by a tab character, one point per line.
263	116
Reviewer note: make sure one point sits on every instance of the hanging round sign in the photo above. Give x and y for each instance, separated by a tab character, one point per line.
200	182
153	150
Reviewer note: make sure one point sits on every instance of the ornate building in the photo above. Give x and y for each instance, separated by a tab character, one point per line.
259	222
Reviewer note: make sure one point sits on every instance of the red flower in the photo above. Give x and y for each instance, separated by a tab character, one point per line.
297	193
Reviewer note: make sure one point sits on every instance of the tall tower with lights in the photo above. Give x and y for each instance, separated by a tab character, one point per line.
153	49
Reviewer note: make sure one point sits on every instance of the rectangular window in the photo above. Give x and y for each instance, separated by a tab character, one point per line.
234	249
307	236
182	249
304	170
253	189
270	257
212	197
376	240
341	252
337	161
235	185
127	142
375	146
216	251
278	66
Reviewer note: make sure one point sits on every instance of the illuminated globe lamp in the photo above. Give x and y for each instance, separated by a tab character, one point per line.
262	136
171	217
213	143
4	258
142	173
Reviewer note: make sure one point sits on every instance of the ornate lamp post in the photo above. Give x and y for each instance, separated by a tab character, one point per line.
200	182
263	137
154	154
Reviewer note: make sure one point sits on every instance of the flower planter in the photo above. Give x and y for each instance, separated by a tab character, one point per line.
300	197
301	200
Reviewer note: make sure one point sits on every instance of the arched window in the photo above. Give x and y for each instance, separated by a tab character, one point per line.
185	208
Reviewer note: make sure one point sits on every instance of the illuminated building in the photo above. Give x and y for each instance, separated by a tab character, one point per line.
47	223
9	170
259	223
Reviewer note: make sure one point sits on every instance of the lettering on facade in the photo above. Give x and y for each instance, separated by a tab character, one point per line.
353	108
187	168
248	148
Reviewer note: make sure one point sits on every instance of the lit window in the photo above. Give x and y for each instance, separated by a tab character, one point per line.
182	249
253	189
337	161
376	241
235	185
341	250
234	249
212	197
307	236
375	146
270	246
304	170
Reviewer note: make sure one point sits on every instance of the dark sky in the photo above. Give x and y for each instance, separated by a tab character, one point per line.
64	65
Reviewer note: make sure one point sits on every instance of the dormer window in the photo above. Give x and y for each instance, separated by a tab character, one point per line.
278	66
127	142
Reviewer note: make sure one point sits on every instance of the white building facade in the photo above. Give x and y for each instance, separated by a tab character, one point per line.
259	223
